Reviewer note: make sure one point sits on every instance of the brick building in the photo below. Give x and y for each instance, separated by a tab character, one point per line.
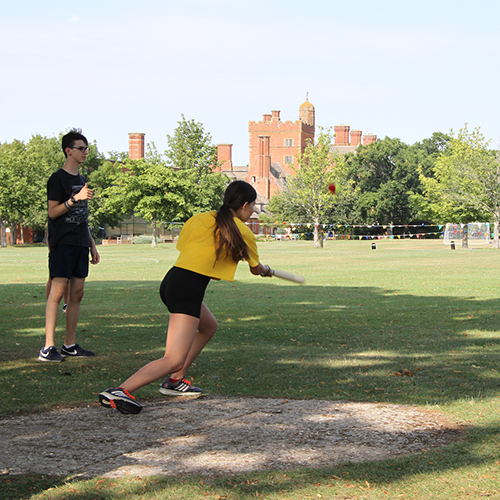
273	147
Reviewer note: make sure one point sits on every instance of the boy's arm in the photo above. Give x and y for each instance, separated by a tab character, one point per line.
56	208
96	258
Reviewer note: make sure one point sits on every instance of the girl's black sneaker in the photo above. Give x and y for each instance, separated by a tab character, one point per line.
181	388
120	400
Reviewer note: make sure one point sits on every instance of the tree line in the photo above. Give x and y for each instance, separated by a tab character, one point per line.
169	187
445	178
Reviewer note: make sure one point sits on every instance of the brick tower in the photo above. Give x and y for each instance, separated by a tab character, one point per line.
274	145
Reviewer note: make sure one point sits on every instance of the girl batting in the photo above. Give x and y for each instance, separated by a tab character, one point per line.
211	244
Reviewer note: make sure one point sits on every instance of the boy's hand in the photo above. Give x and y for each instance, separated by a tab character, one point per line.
84	194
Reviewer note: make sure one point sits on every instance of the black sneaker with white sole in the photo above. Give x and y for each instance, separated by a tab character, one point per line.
181	388
76	350
50	354
120	400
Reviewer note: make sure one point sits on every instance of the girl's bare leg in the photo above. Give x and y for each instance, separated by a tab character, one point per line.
181	334
206	330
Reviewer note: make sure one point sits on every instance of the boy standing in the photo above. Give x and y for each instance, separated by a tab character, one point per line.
69	243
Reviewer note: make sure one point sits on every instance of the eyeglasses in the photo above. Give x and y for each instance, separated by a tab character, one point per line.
82	149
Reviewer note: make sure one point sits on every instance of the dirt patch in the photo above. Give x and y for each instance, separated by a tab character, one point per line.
212	436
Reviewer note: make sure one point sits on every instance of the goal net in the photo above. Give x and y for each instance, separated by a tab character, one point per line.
476	232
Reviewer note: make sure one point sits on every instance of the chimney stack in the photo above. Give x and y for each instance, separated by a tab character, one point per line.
136	145
225	157
342	135
369	139
356	137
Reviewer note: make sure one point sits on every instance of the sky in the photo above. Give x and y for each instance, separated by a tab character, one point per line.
393	68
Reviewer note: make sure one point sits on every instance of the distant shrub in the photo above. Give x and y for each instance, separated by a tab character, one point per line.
143	239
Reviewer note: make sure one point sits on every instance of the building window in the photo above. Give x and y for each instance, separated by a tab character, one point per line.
289	143
253	179
288	159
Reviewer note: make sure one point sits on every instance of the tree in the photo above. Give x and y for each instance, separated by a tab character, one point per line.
466	182
429	150
43	157
106	206
24	170
385	173
151	189
12	185
306	197
191	152
426	154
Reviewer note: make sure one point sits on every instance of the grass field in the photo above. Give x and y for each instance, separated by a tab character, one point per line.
362	315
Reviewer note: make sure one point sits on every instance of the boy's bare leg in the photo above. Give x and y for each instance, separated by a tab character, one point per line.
56	293
76	286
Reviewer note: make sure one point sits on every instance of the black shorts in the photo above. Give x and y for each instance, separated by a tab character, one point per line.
182	291
66	261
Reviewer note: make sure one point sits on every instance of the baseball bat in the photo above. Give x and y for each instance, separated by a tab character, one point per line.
288	276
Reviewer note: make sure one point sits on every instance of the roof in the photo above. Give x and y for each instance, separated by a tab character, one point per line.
305	105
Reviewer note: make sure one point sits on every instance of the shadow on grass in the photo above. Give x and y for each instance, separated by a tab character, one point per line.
364	344
294	342
329	342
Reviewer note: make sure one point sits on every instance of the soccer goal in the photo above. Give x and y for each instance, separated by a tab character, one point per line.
476	232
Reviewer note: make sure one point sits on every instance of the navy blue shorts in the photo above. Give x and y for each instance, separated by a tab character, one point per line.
66	261
182	291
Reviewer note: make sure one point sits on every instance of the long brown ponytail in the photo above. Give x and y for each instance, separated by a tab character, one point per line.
228	239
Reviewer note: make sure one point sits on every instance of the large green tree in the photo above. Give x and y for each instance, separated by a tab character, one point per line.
106	207
24	170
306	197
14	201
465	186
385	174
428	150
191	152
44	156
151	189
426	154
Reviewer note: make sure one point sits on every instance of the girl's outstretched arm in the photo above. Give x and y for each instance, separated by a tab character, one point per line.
261	269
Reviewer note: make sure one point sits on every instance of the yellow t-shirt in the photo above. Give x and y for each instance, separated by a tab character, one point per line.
196	245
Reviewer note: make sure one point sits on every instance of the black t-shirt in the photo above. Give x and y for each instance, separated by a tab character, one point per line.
70	228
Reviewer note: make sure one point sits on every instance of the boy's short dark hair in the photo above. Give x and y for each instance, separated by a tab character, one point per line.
68	141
